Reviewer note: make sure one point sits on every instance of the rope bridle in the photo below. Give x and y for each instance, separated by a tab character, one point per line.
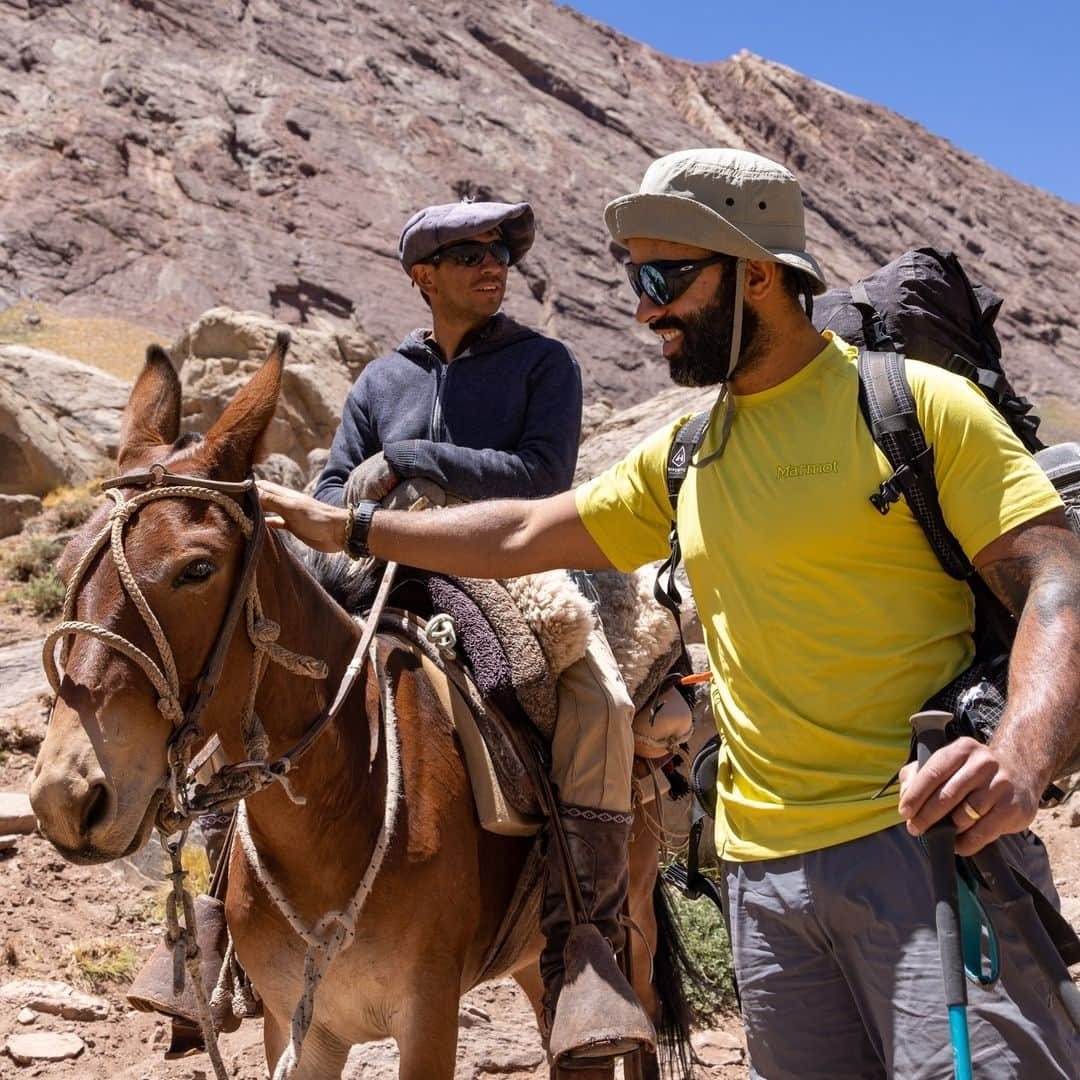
230	784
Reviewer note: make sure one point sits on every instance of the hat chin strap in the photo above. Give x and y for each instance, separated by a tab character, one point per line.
736	324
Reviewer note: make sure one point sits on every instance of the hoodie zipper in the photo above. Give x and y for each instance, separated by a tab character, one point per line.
435	434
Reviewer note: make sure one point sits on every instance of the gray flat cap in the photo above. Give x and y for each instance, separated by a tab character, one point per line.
436	226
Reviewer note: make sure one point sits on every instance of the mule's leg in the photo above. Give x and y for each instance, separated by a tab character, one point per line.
528	978
275	1039
323	1057
426	1034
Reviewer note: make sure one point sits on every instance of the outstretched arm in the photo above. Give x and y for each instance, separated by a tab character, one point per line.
1035	571
504	538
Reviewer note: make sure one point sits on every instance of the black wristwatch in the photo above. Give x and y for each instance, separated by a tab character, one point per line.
357	526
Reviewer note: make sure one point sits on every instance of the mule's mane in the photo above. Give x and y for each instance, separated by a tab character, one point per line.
349	586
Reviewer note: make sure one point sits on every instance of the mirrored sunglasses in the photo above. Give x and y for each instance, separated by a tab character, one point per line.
472	253
665	280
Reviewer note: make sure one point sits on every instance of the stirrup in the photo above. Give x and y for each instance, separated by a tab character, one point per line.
598	1015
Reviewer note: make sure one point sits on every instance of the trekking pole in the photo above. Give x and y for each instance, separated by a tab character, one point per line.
940	841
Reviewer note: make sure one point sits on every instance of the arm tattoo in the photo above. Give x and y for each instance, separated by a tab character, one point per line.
1010	579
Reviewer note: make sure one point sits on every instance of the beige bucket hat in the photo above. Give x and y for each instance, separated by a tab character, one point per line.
730	201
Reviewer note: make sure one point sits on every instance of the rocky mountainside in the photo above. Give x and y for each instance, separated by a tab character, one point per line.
166	156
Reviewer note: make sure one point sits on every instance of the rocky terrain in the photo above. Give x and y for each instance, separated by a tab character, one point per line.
208	170
163	157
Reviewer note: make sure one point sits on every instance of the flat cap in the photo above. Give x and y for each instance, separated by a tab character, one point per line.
436	226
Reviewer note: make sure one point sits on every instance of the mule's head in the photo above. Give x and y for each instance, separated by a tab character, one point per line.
101	772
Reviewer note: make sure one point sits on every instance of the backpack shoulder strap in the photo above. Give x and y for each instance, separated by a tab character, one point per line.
684	445
888	406
681	452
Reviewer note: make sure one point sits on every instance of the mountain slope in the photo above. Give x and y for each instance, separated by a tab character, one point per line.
163	156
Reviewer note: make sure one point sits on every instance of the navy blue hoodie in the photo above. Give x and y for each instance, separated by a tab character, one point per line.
501	420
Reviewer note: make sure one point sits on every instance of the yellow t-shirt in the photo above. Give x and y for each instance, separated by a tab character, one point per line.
827	624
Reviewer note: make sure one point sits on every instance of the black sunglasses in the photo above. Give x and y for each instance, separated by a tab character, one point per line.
665	280
472	253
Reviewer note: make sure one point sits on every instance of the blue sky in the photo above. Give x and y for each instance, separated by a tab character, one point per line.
1000	79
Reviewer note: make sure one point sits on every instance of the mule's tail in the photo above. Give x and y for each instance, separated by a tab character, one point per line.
673	968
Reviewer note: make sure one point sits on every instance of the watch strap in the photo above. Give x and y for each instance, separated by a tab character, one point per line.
359	526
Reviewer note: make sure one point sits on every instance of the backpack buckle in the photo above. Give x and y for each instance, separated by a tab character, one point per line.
885	496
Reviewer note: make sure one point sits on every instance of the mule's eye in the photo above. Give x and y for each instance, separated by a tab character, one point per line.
195	572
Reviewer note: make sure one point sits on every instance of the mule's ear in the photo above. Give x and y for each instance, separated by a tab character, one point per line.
230	444
152	414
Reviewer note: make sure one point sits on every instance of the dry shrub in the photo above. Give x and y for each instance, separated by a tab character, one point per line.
42	595
195	861
34	556
103	961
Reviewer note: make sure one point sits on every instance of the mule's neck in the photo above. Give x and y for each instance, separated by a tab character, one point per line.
334	777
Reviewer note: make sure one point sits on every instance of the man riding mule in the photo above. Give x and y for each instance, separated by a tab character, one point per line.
363	897
827	625
481	407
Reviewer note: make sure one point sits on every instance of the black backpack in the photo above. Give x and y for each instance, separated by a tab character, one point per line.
922	302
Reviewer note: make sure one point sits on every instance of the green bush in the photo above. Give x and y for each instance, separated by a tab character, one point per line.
705	937
33	557
42	594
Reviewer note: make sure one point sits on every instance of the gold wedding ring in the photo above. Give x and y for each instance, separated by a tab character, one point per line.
970	810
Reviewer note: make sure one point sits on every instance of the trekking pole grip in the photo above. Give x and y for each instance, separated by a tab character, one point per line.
940	839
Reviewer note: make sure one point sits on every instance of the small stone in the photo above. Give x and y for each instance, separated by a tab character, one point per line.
1074	818
509	1059
473	1015
159	1034
16	814
26	1016
8	842
39	1046
32	318
719	1047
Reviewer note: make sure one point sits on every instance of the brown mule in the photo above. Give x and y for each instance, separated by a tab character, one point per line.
100	779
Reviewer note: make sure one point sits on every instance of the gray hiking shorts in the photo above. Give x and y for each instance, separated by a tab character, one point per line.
840	977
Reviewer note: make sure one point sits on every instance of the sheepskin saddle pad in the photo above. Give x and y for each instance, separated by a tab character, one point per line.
519	635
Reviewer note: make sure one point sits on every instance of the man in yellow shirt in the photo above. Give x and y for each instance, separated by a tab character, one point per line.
826	626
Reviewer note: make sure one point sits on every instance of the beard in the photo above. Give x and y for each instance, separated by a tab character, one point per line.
705	352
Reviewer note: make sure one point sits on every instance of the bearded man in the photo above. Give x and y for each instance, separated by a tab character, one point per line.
826	626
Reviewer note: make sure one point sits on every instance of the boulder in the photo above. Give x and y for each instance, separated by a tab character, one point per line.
14	511
57	998
24	681
222	349
59	420
281	470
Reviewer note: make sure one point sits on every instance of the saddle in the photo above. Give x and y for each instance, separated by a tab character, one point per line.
511	640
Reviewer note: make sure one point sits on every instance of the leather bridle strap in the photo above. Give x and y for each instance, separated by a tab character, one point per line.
211	674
